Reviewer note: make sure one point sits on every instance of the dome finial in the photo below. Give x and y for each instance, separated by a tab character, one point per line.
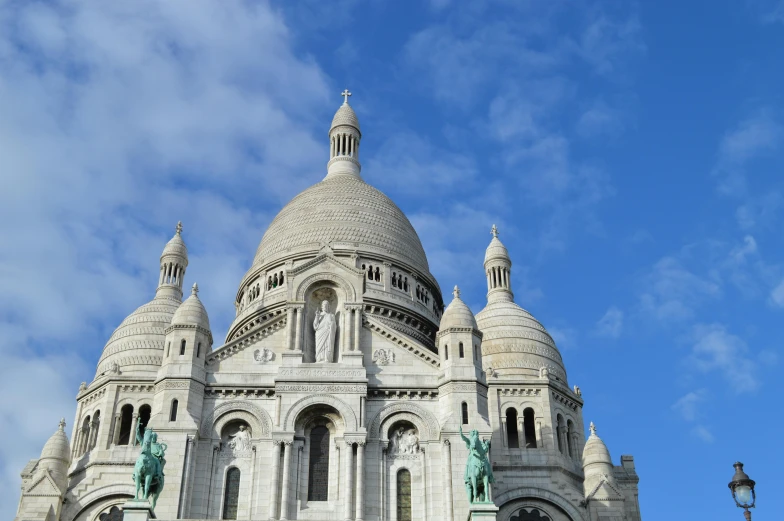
593	429
195	289
62	424
178	229
346	94
456	292
494	231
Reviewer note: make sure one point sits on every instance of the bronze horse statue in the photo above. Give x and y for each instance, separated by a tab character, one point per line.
478	472
148	471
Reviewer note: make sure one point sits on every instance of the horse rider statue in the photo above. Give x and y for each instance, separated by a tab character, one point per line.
478	472
148	471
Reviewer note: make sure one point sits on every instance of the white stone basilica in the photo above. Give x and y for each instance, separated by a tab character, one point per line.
340	390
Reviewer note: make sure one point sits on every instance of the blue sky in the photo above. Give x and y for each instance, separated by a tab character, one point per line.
630	154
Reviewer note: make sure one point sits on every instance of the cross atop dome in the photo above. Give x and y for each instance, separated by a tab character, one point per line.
62	424
494	231
593	429
456	292
195	289
346	95
178	229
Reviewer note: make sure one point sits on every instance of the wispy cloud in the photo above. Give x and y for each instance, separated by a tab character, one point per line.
672	292
689	407
611	323
716	349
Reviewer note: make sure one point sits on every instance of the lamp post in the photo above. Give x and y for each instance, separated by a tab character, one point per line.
743	490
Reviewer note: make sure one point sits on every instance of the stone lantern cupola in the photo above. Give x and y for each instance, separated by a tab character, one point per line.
498	269
344	137
174	261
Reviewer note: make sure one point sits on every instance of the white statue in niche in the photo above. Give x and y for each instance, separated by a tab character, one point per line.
325	327
404	441
241	440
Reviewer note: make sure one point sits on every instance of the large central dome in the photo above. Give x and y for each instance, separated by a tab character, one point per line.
346	213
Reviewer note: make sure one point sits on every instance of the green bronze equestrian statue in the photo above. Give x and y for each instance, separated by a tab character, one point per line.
478	472
148	471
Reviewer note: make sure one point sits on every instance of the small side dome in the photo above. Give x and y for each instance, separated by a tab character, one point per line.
176	246
596	456
56	448
191	312
457	314
345	116
496	249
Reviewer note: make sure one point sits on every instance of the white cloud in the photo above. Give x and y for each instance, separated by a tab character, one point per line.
688	405
672	292
752	138
703	433
715	349
777	295
611	324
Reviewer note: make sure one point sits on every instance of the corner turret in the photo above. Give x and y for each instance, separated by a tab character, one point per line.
344	137
174	261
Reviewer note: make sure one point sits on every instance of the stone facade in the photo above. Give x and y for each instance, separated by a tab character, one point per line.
257	429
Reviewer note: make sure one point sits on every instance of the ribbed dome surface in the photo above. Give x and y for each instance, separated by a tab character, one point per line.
345	212
515	342
345	116
176	246
457	314
191	312
496	250
137	343
57	445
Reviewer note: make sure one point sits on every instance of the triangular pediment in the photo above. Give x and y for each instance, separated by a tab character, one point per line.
258	331
43	486
606	489
325	257
401	344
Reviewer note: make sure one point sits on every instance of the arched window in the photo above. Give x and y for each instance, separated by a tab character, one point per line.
83	437
378	274
570	437
405	284
114	514
198	349
275	281
464	411
460	349
173	410
511	428
529	429
318	473
126	424
394	279
182	347
558	430
231	496
530	514
281	277
446	351
370	272
96	423
144	418
403	495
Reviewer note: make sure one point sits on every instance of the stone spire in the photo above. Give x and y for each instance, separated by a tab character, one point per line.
344	137
498	269
174	261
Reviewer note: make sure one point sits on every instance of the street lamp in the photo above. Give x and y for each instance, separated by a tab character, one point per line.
743	490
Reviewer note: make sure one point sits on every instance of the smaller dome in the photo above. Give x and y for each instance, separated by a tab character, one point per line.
596	454
191	312
496	249
345	116
457	314
176	246
57	446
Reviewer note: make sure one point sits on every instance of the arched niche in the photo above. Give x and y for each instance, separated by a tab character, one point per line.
556	507
256	418
318	292
97	501
425	422
306	407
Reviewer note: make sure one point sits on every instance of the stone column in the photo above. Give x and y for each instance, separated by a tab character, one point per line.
134	421
386	277
382	481
289	328
360	481
273	504
357	326
504	432
284	502
298	330
424	482
448	479
117	427
349	481
93	438
252	481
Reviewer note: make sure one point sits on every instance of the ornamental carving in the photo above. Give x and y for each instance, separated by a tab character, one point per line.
172	384
262	356
306	373
384	356
321	388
